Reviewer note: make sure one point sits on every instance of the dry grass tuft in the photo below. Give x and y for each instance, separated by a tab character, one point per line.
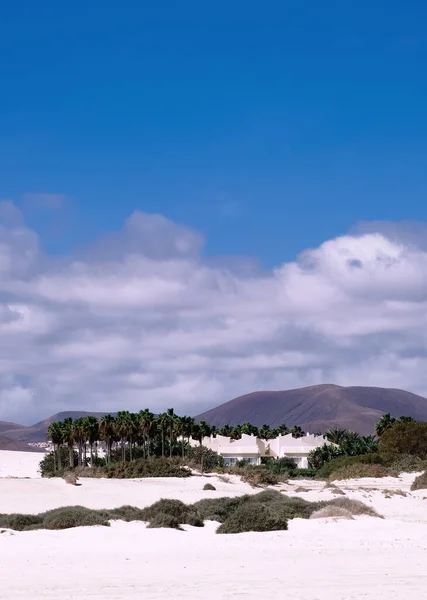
332	512
71	478
301	489
420	482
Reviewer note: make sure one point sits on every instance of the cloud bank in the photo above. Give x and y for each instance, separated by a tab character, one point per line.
143	319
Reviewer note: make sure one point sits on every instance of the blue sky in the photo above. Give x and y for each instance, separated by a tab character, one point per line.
269	128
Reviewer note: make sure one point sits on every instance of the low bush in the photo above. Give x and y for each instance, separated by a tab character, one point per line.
209	487
204	459
331	511
420	483
124	513
186	515
154	467
163	520
253	517
358	471
20	522
218	509
257	476
71	478
347	461
406	463
73	516
301	490
355	507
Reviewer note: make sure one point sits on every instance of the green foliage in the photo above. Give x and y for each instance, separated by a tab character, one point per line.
188	515
257	476
202	458
163	520
405	438
345	461
420	482
154	467
20	522
48	464
251	517
217	509
73	516
209	487
281	466
359	470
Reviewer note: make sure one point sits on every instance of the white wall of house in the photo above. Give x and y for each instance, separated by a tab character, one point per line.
252	449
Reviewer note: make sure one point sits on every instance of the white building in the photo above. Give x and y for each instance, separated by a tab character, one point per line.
252	449
296	448
249	448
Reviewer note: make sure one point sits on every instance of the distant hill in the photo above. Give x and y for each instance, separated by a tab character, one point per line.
38	432
319	407
7	426
8	444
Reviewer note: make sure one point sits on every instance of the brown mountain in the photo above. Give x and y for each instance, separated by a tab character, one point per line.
8	444
38	432
319	407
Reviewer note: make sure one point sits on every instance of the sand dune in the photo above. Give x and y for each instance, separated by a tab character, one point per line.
315	560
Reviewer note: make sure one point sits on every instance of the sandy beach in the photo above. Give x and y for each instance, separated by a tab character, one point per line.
366	558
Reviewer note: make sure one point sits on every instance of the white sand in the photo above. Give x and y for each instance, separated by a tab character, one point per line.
315	560
20	464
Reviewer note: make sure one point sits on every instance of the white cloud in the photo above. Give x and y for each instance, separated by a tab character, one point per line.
142	319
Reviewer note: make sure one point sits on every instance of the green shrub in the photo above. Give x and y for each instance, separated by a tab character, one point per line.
253	517
48	464
188	515
257	476
205	459
345	461
358	471
420	483
73	516
218	509
124	513
154	467
163	520
406	463
405	438
281	466
209	487
20	522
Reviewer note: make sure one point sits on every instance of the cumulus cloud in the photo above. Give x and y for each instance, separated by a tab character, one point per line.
141	318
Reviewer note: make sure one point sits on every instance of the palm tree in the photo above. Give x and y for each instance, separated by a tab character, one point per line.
163	423
68	437
122	426
226	430
384	423
406	420
145	425
79	435
249	429
107	427
297	432
335	435
172	417
265	432
91	431
55	435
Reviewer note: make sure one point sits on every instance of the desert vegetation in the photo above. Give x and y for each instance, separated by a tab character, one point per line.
268	510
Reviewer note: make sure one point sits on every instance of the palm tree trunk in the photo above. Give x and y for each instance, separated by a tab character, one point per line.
163	442
130	449
71	454
170	442
148	446
91	455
